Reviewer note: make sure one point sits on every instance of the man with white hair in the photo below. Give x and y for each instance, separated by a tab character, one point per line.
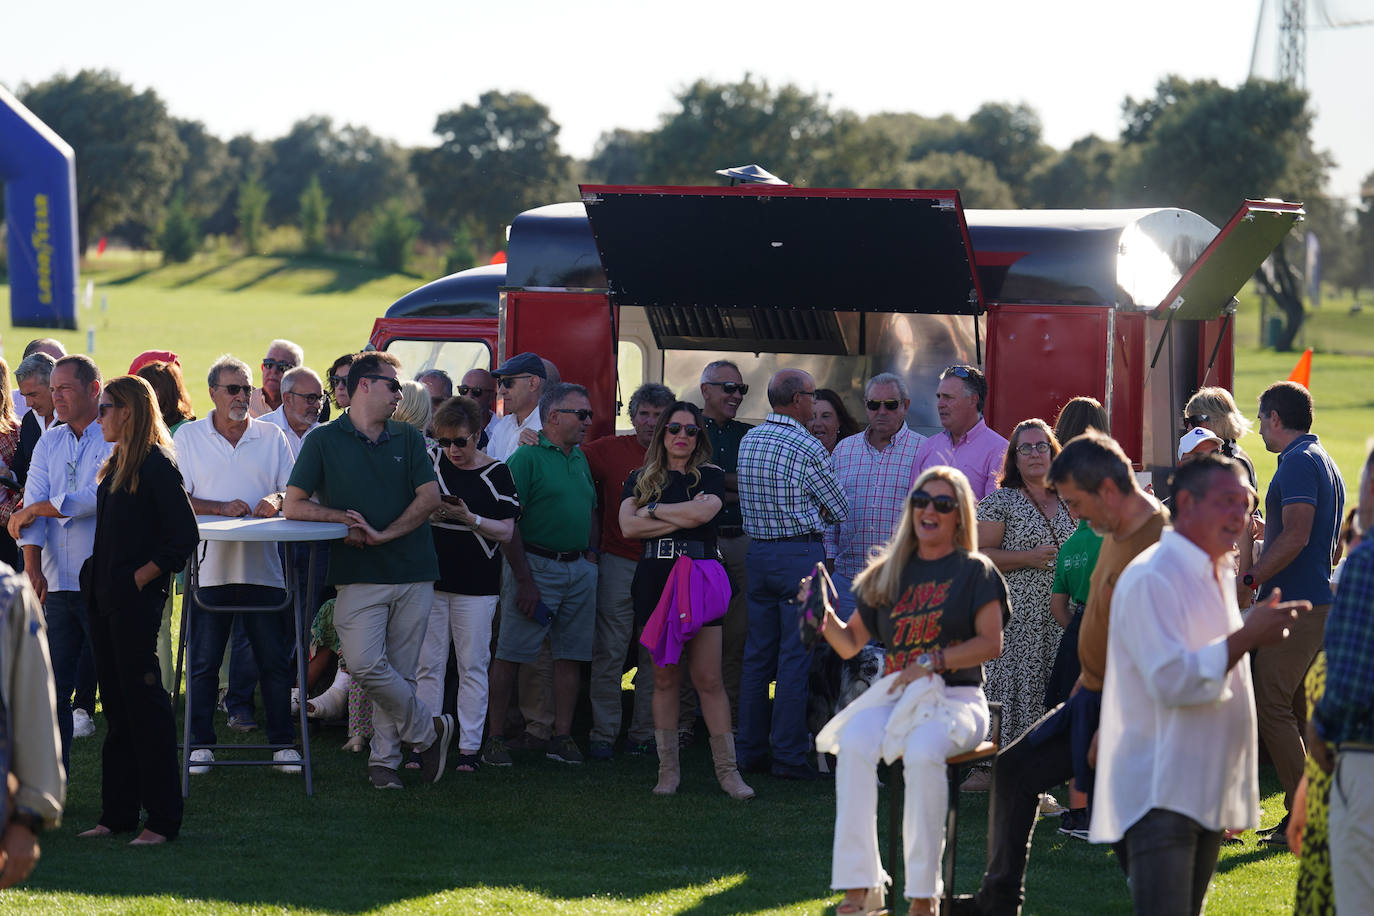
282	356
302	392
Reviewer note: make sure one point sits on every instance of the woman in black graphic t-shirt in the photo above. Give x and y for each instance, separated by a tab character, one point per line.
938	607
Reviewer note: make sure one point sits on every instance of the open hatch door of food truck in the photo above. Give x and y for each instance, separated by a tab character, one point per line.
842	283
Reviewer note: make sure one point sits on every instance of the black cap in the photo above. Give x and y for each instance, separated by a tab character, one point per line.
522	364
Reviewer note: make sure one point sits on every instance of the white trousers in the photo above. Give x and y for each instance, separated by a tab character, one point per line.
464	622
855	861
1352	831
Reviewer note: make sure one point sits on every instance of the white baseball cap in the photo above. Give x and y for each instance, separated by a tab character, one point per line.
1195	437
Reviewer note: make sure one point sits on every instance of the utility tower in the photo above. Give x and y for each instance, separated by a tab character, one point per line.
1292	42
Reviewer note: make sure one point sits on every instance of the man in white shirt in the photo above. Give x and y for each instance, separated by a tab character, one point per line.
299	413
521	379
235	466
1177	759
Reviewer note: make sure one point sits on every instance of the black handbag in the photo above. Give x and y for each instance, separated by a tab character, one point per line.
816	596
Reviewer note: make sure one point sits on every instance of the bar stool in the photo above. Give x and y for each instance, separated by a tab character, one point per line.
955	769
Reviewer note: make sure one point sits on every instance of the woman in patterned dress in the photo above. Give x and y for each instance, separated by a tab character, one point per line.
1021	526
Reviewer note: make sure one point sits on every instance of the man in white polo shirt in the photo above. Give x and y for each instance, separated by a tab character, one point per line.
235	466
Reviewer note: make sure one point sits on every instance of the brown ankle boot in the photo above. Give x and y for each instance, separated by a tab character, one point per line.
727	771
669	773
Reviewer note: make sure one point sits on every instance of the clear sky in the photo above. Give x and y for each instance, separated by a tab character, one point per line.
256	67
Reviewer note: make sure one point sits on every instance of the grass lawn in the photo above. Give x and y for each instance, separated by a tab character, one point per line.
541	837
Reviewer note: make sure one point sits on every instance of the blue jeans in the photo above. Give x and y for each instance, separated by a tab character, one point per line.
271	645
844	597
243	672
773	651
1169	859
69	630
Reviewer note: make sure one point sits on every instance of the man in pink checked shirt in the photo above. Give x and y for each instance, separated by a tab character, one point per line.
966	443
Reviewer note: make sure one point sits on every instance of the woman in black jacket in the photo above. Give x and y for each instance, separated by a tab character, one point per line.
144	532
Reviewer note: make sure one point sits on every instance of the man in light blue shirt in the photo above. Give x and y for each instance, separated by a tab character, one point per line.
56	527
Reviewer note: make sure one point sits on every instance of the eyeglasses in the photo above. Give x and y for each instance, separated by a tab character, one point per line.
507	381
1026	449
281	365
1196	419
312	399
809	394
582	413
740	388
944	505
675	428
889	403
468	391
236	390
391	384
336	380
958	371
105	407
460	441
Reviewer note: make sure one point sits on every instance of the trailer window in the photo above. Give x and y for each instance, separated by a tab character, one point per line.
455	357
630	375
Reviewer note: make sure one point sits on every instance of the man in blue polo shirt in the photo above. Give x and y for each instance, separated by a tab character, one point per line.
1302	515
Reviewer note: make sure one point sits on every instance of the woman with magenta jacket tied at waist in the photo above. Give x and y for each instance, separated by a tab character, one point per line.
144	531
938	607
672	503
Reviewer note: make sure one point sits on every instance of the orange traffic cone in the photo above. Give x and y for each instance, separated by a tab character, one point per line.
1302	372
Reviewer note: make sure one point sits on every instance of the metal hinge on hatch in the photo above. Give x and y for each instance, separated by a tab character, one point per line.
591	198
1176	304
944	203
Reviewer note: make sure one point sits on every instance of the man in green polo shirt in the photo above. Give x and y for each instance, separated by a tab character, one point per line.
372	473
558	506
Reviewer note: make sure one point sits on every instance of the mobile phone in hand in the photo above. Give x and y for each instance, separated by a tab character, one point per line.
542	614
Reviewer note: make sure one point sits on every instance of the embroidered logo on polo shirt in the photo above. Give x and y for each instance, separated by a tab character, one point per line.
397	457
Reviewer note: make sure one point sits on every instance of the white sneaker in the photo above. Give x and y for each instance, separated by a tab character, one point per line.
201	755
1050	807
83	726
287	761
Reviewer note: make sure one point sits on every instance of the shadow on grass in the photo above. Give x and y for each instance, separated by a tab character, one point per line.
211	271
281	266
133	277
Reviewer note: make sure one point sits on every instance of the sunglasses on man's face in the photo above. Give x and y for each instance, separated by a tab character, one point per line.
236	390
676	428
312	399
944	505
889	403
508	381
740	388
281	365
582	413
391	384
468	391
460	441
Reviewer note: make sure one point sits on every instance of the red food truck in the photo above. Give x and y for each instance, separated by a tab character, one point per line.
636	284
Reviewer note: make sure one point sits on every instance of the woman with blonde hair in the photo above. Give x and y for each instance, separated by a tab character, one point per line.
938	607
144	531
11	490
416	409
672	503
1214	409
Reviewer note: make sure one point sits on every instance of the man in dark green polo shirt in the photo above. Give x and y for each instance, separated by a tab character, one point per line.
372	473
722	391
558	504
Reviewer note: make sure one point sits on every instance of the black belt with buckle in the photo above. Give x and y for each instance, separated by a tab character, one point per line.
562	556
672	548
730	531
812	536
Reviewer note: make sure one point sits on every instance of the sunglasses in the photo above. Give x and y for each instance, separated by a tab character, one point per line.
675	428
582	413
468	391
104	407
507	381
944	505
740	388
312	399
236	390
279	364
889	403
391	384
958	371
1026	449
1197	419
336	380
460	441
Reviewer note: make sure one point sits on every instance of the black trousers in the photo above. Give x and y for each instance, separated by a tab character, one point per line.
139	758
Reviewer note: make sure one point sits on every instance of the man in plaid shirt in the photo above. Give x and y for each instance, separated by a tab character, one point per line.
1344	719
789	496
874	470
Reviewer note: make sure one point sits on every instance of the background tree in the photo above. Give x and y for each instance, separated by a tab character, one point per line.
127	151
1084	175
179	237
494	159
314	216
394	232
974	178
251	212
462	254
208	175
619	158
1207	147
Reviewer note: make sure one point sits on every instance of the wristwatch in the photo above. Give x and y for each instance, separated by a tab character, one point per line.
925	661
1248	580
29	819
653	511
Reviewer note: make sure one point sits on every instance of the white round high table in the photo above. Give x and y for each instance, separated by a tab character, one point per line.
252	530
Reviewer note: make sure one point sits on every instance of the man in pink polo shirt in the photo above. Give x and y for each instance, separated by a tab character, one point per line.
966	443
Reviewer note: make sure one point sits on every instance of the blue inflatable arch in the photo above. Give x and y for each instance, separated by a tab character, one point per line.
39	171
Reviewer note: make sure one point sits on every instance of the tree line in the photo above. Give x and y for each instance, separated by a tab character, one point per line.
166	182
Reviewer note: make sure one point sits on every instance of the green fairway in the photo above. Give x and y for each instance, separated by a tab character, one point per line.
541	837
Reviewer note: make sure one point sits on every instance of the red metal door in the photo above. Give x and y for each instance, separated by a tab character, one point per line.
1040	356
576	332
